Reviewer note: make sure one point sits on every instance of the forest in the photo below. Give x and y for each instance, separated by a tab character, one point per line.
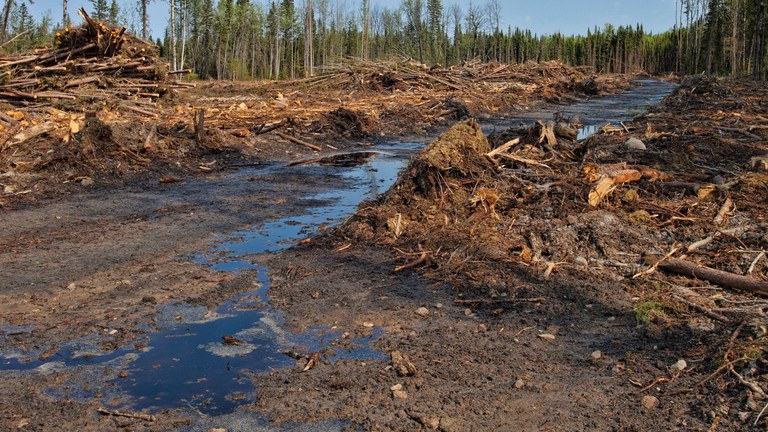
242	39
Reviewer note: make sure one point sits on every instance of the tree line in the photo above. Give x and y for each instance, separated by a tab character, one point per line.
273	39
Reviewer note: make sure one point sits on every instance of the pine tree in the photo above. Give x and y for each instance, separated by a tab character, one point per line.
100	9
114	13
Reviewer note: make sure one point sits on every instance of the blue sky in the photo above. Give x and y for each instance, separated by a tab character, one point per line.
540	16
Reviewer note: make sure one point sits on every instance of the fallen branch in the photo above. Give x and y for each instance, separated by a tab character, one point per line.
718	277
502	148
754	263
140	416
505	300
714	315
726	207
414	263
298	141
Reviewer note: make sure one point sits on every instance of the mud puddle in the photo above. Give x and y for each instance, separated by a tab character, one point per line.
187	364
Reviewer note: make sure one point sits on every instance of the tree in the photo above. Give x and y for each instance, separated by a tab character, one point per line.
100	9
114	13
65	14
309	36
435	14
144	19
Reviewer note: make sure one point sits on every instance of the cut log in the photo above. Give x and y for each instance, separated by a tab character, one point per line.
718	277
32	132
298	141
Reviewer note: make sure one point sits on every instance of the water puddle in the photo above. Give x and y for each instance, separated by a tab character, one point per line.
189	364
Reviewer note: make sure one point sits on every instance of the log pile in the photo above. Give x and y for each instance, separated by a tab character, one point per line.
92	61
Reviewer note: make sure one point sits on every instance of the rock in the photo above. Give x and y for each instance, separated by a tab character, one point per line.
396	387
449	424
519	384
650	402
400	394
581	261
430	422
368	324
9	189
547	336
438	306
680	365
402	364
123	374
482	328
596	355
87	181
422	311
72	286
634	144
467	311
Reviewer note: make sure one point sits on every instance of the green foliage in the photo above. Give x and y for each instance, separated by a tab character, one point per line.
650	312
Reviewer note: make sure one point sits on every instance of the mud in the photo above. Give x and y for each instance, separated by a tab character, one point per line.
480	365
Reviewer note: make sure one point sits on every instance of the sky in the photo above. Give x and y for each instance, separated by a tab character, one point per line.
540	16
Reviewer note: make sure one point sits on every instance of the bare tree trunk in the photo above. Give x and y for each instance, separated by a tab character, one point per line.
309	53
6	15
173	34
184	17
65	14
144	20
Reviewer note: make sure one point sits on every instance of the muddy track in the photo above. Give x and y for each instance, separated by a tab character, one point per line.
91	269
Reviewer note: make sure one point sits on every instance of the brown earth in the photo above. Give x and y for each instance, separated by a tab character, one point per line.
491	248
513	252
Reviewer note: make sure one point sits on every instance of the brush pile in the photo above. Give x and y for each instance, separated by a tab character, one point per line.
93	61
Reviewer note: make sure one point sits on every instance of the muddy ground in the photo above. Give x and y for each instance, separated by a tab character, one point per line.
498	345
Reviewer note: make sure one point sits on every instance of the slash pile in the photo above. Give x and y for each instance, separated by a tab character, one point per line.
93	61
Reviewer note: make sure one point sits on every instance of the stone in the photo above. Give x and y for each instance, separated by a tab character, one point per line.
400	394
634	144
581	261
650	402
547	336
596	355
430	422
402	364
396	387
519	384
422	311
467	311
368	324
680	365
87	181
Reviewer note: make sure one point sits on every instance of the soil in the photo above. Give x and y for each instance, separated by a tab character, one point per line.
513	319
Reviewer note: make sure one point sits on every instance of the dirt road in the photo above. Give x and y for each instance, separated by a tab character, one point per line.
119	299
